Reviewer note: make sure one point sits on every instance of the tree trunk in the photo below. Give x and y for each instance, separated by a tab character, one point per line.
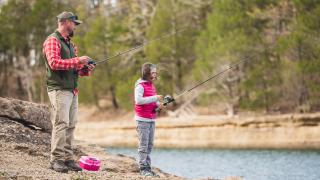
95	94
266	98
113	96
24	78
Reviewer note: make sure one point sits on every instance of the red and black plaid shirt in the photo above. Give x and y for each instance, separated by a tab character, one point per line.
51	49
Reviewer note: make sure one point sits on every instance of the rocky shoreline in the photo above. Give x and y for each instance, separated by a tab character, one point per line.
25	145
27	161
25	148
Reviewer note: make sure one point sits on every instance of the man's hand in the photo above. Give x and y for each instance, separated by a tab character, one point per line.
84	60
91	67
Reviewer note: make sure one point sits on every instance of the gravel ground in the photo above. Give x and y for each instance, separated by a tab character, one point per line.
24	154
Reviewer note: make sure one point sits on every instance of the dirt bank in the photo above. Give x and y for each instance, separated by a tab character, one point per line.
24	154
25	147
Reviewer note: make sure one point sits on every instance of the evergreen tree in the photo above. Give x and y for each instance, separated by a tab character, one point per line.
234	32
99	41
302	50
175	54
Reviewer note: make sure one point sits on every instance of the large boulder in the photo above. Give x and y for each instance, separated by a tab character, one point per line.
31	114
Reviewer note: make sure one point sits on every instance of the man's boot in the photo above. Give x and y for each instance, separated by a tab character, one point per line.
58	166
72	166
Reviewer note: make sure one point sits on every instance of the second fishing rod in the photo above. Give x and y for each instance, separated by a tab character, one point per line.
169	99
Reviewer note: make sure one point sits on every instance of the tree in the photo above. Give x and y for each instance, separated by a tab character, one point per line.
234	32
302	51
25	24
174	55
113	30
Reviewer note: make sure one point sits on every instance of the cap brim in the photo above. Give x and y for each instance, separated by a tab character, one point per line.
77	22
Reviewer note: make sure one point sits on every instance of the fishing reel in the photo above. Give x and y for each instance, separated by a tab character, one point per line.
166	100
91	62
85	67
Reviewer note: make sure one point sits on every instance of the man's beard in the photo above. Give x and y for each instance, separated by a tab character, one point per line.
70	33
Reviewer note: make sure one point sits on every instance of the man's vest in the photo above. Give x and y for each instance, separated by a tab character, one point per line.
62	79
147	110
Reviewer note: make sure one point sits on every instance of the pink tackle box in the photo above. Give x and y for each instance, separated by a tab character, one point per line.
89	163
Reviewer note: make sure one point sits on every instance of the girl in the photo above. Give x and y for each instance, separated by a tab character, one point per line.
146	101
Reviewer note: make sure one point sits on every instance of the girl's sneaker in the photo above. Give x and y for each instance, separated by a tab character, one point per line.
146	173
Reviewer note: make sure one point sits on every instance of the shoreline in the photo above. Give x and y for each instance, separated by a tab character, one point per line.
26	155
25	135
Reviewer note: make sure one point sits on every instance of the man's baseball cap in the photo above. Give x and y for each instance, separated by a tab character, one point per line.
69	15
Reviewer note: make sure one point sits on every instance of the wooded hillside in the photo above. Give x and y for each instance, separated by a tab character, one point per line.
278	39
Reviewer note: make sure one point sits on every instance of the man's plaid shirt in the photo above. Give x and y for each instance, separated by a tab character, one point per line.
51	49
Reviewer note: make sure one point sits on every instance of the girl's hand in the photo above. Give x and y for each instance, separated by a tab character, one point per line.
160	97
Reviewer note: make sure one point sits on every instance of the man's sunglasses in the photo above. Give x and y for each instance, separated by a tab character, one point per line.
74	18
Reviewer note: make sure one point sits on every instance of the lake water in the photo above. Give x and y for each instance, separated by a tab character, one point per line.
249	164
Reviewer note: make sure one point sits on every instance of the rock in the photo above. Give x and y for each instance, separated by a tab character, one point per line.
28	113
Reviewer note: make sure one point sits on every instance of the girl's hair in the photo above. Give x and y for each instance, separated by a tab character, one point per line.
146	70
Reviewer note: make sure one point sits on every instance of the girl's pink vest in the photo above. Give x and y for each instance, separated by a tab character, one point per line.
147	110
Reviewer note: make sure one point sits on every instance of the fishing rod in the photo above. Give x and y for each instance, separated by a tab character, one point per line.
91	61
135	48
169	99
142	45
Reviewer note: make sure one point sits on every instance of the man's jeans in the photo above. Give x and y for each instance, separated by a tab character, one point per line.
63	117
146	135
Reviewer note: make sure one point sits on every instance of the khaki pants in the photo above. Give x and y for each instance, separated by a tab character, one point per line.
63	117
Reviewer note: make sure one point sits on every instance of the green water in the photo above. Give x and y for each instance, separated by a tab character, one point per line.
249	164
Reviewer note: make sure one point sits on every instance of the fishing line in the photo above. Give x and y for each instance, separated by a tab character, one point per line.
140	46
169	99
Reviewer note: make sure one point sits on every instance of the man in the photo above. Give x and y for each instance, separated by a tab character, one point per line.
63	68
